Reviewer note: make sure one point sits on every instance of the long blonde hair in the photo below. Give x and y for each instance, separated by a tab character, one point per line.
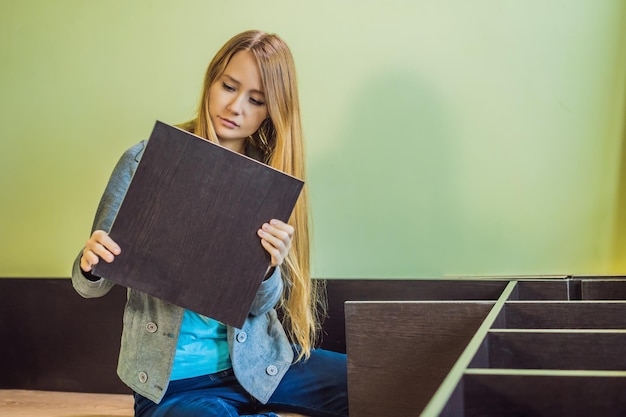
279	139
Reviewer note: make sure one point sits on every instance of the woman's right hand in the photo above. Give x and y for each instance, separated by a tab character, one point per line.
98	246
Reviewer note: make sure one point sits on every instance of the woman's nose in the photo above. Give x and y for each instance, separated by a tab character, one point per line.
235	105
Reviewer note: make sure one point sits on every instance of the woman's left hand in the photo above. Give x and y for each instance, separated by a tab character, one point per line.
276	238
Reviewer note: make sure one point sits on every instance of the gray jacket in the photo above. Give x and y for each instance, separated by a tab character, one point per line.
260	351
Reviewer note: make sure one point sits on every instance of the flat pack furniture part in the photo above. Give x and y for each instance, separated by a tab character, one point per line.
543	347
188	224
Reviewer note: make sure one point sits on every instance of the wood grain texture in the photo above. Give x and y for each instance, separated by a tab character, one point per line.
26	403
595	289
400	352
187	225
565	315
535	290
567	350
518	395
341	290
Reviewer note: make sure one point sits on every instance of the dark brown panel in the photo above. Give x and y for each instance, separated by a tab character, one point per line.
342	290
603	290
187	226
455	406
556	350
400	352
53	339
553	396
532	290
564	315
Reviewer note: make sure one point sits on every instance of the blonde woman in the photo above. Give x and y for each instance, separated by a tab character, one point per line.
197	366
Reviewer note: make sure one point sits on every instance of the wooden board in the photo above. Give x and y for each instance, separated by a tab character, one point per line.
564	315
488	393
610	289
188	224
342	290
553	349
53	339
535	290
400	352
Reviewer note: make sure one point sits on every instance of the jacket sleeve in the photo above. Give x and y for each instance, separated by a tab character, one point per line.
268	294
107	210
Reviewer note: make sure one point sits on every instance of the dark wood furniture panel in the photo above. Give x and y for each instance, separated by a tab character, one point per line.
546	357
341	290
564	315
188	224
53	339
400	352
547	290
594	289
63	342
570	350
558	394
408	337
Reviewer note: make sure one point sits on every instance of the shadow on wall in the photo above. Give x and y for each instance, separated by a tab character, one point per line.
384	192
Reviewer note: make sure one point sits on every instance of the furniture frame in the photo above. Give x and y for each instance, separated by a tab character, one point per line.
542	347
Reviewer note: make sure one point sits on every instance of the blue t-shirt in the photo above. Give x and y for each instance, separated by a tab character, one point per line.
202	347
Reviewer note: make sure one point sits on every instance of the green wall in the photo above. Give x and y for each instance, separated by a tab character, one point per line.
444	137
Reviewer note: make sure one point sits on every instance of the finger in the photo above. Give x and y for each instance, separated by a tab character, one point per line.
105	240
100	251
280	233
283	226
88	260
101	244
275	255
278	239
85	265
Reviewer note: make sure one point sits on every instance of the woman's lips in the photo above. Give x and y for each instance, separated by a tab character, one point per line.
228	123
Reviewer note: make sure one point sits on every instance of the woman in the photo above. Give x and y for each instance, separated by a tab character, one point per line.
180	363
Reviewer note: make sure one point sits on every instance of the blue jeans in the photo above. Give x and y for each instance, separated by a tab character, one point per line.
316	387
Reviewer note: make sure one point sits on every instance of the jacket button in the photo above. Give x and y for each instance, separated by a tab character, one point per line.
143	377
271	370
151	327
242	337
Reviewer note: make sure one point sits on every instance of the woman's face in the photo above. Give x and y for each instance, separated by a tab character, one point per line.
237	102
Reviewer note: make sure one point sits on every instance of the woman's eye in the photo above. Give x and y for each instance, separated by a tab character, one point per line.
256	102
228	87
